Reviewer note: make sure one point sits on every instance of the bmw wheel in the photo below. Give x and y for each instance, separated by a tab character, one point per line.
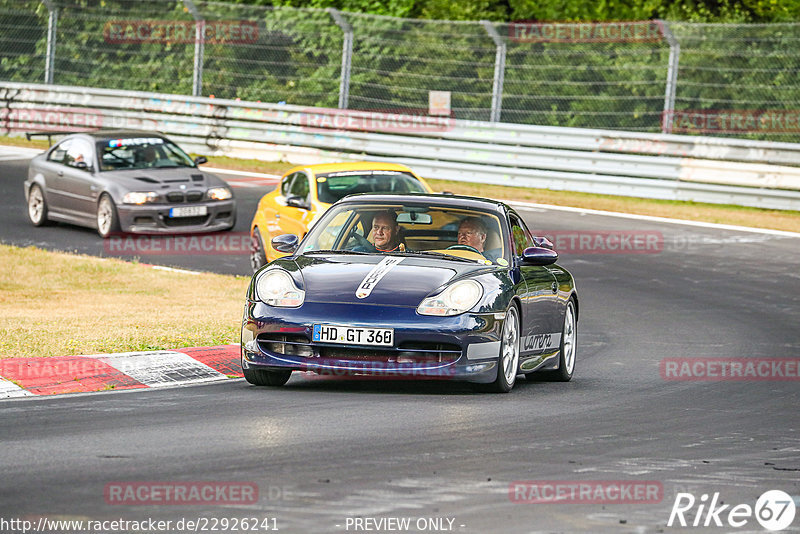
107	219
37	206
258	255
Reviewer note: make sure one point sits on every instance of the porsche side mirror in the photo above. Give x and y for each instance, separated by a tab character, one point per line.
541	241
82	165
199	160
539	256
298	202
286	243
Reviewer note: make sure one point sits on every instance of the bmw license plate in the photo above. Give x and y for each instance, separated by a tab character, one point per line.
353	335
188	211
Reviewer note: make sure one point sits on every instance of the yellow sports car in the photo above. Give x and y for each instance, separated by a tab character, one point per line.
305	193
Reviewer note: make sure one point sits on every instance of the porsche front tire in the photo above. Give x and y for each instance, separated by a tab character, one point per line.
508	359
261	377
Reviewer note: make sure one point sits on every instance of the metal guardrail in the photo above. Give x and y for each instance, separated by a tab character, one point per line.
732	171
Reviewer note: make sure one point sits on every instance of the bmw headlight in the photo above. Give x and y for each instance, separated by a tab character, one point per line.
140	197
277	288
456	298
219	193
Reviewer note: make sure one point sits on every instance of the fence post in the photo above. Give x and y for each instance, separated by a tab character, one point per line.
199	48
52	26
672	77
347	56
499	70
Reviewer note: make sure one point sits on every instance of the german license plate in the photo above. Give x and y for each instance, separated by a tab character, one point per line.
353	335
188	211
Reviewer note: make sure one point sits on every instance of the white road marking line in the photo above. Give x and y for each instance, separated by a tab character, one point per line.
9	389
161	368
174	270
242	173
536	207
23	152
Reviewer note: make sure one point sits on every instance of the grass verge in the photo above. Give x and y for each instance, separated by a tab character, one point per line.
714	213
59	304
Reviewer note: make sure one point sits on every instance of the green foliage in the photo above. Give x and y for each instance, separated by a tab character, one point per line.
296	56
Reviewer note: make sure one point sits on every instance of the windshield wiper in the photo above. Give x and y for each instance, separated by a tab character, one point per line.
437	254
330	251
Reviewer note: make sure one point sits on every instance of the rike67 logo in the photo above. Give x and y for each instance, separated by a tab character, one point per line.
774	510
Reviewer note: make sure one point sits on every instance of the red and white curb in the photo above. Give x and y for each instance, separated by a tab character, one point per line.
20	377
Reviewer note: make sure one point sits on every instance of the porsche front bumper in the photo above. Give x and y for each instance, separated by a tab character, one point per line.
461	347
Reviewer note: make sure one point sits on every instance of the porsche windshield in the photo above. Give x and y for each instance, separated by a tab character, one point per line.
334	186
140	153
455	232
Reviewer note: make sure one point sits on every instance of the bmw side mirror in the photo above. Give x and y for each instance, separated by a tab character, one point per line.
199	160
286	243
539	256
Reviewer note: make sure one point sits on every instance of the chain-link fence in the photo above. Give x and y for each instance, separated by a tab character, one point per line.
652	76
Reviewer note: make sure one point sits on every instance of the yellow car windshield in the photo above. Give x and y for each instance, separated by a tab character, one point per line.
334	186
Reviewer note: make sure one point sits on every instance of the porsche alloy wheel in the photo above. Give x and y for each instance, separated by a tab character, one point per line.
567	351
569	345
37	207
508	360
107	220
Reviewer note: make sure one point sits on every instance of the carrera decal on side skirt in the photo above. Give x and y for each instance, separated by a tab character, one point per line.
539	342
379	271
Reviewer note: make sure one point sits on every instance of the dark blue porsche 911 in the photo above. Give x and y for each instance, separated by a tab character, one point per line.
410	286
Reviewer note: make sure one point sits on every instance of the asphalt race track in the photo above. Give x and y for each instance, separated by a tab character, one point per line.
324	451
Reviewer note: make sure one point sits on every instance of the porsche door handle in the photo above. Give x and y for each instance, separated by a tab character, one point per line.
554	287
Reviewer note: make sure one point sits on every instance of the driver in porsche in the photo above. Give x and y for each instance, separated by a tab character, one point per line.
386	232
472	232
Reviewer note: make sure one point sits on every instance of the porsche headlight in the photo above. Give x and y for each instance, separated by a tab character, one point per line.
219	193
457	298
277	288
140	197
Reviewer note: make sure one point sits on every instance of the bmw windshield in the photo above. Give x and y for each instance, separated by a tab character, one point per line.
141	153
